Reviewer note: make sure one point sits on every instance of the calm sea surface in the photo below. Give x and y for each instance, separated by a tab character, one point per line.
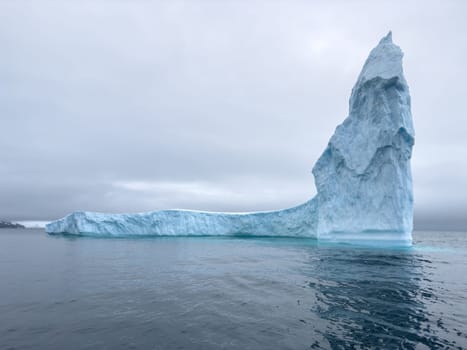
230	293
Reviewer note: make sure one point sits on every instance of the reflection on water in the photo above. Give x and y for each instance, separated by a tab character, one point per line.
375	298
369	298
227	293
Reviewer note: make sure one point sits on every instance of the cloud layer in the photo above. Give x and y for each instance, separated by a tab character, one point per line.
128	106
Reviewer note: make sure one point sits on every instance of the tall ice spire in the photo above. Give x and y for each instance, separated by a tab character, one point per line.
363	178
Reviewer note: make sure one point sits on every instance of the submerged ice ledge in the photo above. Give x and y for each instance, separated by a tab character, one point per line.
363	178
370	238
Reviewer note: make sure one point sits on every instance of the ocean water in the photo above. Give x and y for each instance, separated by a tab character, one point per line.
230	293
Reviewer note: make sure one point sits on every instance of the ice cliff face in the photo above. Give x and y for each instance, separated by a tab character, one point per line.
363	178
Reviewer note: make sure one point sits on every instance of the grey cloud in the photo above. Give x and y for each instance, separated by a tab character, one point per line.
228	104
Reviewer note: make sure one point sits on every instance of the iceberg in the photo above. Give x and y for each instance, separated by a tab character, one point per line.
363	178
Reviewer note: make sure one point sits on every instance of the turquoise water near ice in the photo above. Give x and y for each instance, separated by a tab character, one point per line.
230	293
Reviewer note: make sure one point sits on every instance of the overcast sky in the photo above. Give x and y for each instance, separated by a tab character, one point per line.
128	106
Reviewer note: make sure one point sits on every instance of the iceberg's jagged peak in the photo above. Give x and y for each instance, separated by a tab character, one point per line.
384	61
363	178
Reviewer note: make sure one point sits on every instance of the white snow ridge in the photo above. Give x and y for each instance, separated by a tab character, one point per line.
363	178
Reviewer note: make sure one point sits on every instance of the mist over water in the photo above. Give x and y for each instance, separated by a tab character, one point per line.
234	293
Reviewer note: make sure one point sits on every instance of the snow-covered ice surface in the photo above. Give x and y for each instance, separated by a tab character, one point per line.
363	178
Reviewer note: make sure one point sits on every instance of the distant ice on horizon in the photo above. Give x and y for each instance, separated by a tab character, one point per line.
33	224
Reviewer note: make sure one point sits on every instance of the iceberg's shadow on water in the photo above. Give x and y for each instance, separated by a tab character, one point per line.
373	298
